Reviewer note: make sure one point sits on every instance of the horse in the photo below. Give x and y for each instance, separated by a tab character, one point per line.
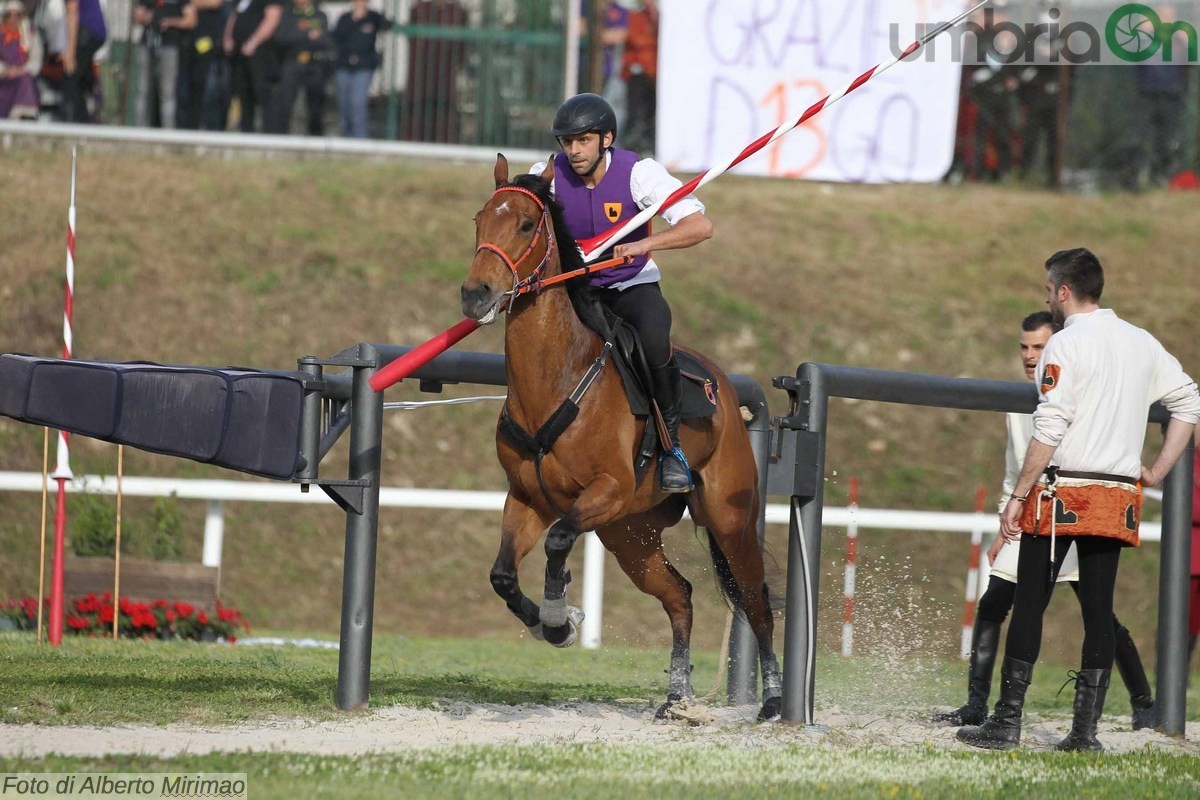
585	478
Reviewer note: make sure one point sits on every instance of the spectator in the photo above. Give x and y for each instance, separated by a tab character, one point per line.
431	112
997	601
86	33
254	61
639	70
992	90
1162	89
306	49
612	43
1039	95
206	70
164	35
357	60
18	65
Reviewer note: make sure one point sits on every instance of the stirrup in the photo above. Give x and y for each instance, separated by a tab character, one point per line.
677	454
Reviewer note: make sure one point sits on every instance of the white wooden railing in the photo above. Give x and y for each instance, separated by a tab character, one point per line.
218	492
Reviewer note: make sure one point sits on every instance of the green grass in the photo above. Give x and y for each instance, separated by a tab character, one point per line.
686	771
93	682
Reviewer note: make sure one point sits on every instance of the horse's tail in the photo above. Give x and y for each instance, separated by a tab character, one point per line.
725	580
772	580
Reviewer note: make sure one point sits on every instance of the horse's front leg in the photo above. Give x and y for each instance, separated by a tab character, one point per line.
521	529
560	622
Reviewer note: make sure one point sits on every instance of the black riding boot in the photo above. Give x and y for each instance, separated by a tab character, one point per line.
674	474
1129	665
985	639
1002	730
1091	686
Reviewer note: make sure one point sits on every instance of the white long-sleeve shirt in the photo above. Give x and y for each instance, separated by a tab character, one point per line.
1020	431
1097	378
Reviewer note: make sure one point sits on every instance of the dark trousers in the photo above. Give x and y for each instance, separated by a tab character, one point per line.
1098	561
644	307
78	84
312	76
252	78
200	71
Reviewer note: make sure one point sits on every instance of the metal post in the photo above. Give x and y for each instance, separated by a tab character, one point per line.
358	571
310	423
804	563
1173	577
742	683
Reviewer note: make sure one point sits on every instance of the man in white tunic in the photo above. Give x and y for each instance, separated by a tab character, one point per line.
997	601
1079	483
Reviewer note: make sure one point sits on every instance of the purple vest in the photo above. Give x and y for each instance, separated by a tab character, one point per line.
589	212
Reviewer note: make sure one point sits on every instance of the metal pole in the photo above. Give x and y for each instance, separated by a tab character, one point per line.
358	571
1173	577
742	683
804	565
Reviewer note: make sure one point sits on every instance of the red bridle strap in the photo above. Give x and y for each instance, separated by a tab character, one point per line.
522	285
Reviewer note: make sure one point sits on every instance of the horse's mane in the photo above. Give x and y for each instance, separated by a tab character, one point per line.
583	298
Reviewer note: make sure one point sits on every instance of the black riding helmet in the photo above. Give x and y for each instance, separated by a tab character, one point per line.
584	113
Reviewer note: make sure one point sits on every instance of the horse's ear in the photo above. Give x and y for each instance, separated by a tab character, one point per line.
548	172
501	173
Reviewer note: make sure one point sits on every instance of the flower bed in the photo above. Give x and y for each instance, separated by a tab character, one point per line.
92	615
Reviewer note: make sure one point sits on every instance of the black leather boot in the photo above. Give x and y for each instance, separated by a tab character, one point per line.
1002	730
1129	665
674	474
985	639
1091	686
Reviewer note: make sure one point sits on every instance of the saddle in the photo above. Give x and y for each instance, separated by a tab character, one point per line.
698	397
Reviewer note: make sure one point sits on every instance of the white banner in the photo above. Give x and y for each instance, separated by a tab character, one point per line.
731	70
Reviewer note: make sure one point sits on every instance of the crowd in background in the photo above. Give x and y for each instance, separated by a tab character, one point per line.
244	64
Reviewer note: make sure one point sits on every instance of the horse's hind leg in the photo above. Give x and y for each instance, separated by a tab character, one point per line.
522	527
637	545
732	524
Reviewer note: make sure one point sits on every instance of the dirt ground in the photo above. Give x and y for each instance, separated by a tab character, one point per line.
399	728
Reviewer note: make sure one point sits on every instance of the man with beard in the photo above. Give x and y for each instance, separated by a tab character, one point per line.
600	187
1079	483
1003	556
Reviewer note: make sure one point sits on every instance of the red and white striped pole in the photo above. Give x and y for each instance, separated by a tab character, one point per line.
973	573
851	570
62	472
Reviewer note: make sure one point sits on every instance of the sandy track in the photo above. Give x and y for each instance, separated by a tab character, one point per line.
399	728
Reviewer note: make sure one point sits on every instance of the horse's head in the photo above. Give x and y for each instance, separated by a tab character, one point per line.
514	245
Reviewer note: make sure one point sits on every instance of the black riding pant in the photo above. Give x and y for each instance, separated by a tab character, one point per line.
644	307
1098	561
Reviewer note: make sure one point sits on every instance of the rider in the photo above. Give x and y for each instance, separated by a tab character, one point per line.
600	186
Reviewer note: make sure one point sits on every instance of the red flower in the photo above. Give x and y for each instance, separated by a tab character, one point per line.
184	609
202	618
106	614
77	623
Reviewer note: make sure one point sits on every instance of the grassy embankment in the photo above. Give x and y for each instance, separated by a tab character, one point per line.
257	262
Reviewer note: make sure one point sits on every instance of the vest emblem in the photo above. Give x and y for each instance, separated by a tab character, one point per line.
612	211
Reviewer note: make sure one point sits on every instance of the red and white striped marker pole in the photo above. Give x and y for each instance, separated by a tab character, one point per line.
973	573
851	572
592	248
62	472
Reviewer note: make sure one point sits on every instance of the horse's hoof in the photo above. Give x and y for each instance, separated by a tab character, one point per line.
772	710
562	635
664	711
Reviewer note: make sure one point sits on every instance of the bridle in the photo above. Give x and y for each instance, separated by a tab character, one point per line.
532	282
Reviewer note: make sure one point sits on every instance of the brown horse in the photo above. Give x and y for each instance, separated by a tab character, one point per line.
586	479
